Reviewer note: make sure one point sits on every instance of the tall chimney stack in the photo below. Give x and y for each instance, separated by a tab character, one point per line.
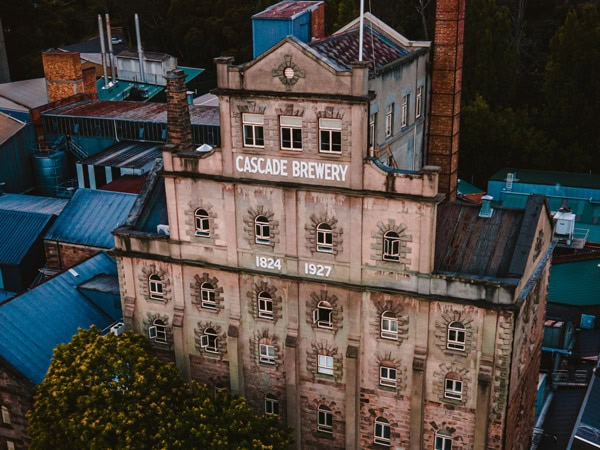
446	87
179	125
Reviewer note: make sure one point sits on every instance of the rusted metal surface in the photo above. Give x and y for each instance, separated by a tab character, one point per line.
285	10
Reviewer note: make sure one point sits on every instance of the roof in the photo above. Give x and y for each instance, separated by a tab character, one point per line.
465	188
9	126
5	295
32	203
93	45
550	178
493	247
207	100
102	283
588	422
28	93
122	89
19	231
287	9
584	292
132	184
148	56
134	111
90	217
127	154
48	315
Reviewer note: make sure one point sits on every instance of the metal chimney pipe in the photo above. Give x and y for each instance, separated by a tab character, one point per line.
102	49
110	49
360	31
139	48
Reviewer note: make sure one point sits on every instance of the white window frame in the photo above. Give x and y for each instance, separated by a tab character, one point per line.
208	297
271	405
156	287
453	388
292	127
262	230
264	305
382	432
388	376
158	331
323	315
330	136
209	341
442	441
389	120
266	353
404	111
372	125
324	420
325	365
253	130
324	238
389	325
419	102
202	223
456	337
391	246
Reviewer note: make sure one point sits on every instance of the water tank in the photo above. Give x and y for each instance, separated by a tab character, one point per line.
49	170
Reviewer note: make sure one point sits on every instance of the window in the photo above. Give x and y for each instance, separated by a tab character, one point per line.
389	325
265	305
202	223
456	336
262	230
156	287
208	341
266	353
325	365
387	376
158	331
324	238
452	387
404	116
5	414
372	124
207	296
324	420
291	132
391	246
382	431
442	441
330	131
271	405
253	130
389	120
323	315
419	102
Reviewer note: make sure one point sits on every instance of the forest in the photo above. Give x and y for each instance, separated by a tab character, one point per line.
531	69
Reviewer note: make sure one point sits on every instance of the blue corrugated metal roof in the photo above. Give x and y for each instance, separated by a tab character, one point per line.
90	217
48	315
19	231
33	203
584	292
5	295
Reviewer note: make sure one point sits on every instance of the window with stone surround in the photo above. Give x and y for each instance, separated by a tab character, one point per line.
325	365
389	325
324	238
323	235
456	336
155	287
266	352
291	132
202	223
271	405
443	441
324	419
323	315
264	302
206	293
389	120
208	296
330	135
382	432
391	246
209	341
157	332
265	305
387	375
253	130
453	386
262	230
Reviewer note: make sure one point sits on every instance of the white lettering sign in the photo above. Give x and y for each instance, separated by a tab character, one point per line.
318	270
300	169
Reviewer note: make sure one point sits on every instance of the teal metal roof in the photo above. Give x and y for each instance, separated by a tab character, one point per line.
190	72
551	178
465	188
90	217
48	315
575	283
122	88
32	203
19	231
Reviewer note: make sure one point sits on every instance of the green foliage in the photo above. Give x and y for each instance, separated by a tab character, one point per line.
110	392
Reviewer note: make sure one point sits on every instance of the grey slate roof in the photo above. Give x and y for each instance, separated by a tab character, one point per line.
90	217
19	231
27	93
32	203
48	315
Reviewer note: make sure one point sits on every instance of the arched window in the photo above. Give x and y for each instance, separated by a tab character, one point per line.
262	230
456	336
271	405
265	305
266	351
389	325
158	331
453	386
202	222
208	341
443	441
155	287
207	296
382	433
324	419
324	238
323	315
391	246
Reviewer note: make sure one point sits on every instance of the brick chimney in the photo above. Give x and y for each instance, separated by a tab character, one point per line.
179	125
446	87
65	76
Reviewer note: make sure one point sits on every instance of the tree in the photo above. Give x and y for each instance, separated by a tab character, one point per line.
110	392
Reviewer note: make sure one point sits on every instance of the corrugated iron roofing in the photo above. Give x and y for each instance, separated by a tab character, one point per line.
286	10
90	217
50	314
32	203
129	154
9	127
134	111
102	283
29	93
131	184
19	231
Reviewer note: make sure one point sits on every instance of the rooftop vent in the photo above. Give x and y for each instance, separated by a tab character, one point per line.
510	179
486	206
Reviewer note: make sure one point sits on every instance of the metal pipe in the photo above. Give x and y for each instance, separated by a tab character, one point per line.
102	49
110	49
139	48
360	31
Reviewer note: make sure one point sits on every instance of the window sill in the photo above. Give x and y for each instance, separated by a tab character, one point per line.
323	435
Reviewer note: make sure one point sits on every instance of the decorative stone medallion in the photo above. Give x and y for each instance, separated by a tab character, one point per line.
288	72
